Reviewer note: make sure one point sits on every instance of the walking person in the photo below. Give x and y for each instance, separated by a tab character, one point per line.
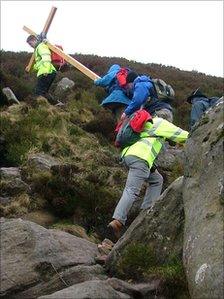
46	72
139	158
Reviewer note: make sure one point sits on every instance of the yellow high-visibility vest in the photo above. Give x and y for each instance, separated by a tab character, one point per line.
43	63
152	139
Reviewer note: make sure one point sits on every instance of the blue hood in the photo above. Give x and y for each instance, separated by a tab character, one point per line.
142	78
114	68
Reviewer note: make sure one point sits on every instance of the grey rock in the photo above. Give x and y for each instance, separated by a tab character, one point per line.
169	157
89	289
9	173
62	279
65	83
31	253
203	234
11	183
161	226
63	88
42	161
13	187
140	290
10	95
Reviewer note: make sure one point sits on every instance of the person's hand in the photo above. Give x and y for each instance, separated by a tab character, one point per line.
95	81
123	116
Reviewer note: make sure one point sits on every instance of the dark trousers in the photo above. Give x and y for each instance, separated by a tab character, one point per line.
44	83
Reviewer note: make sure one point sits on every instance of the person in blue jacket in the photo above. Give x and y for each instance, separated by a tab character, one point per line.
200	103
141	91
116	99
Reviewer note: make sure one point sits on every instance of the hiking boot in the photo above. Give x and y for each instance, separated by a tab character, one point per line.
114	230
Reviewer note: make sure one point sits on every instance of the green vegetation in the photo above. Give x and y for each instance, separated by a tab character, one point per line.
135	261
74	229
138	262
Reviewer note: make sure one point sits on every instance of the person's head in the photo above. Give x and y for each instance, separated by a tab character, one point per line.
130	78
32	40
195	94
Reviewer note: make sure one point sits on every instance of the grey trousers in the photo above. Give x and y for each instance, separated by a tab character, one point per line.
165	113
139	172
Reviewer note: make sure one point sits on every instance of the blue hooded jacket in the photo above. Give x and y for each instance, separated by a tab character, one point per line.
142	89
108	81
116	94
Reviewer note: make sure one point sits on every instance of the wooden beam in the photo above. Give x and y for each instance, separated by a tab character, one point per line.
67	58
49	20
45	31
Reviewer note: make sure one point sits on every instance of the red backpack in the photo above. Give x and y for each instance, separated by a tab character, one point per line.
56	59
128	131
121	76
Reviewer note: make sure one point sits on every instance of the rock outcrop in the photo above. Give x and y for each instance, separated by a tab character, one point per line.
159	228
41	263
202	194
32	255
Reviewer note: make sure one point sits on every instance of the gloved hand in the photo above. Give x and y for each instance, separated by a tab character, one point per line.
41	37
96	81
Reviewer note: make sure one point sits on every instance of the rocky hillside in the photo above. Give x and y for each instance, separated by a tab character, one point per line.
60	181
184	82
173	250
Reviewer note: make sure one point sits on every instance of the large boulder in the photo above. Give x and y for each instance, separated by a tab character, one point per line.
62	279
202	195
110	288
31	254
89	289
160	228
170	163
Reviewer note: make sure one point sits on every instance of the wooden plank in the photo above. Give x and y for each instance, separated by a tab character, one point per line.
45	31
49	20
30	64
68	58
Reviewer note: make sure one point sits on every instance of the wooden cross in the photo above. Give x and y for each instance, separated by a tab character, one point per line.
44	31
66	57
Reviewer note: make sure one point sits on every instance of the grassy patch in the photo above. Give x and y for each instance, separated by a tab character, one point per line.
66	225
138	262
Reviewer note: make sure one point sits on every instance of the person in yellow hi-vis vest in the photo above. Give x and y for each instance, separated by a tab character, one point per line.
139	158
46	72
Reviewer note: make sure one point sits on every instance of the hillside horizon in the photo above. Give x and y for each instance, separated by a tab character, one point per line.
131	60
13	75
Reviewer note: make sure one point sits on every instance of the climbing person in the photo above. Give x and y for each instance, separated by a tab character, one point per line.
142	92
116	99
46	72
139	158
200	103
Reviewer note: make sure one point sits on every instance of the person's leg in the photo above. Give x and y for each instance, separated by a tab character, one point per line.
40	86
198	108
44	83
165	113
49	80
138	173
153	190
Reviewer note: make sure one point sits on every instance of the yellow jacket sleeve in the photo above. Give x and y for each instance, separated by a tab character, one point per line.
165	129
